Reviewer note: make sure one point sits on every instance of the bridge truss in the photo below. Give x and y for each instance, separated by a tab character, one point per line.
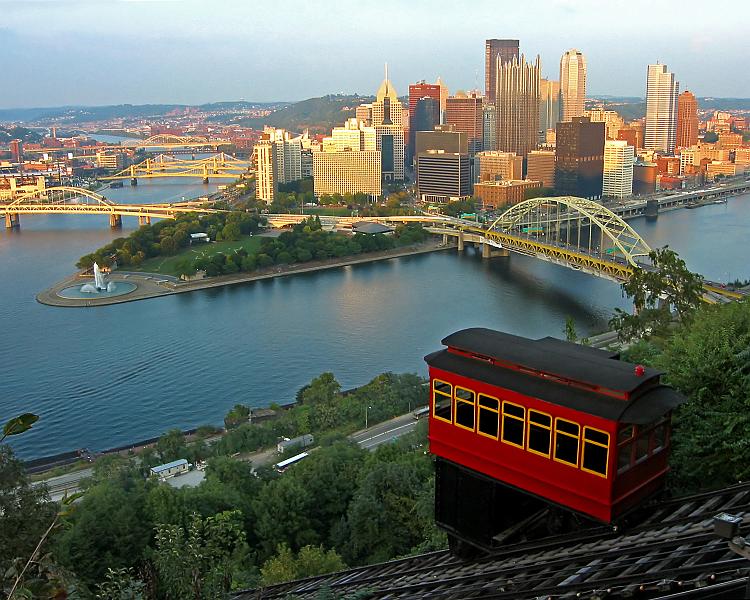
220	166
177	141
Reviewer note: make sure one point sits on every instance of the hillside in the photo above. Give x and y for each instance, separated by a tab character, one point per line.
318	115
18	133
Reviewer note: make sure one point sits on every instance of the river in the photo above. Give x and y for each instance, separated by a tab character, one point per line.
106	376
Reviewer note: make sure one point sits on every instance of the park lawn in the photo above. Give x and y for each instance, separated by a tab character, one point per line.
167	265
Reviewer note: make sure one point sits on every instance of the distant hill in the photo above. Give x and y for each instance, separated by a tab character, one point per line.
318	115
724	103
18	133
85	114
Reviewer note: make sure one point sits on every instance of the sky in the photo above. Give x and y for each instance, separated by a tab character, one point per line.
95	52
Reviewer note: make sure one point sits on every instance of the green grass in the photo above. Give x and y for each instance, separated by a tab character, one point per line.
166	265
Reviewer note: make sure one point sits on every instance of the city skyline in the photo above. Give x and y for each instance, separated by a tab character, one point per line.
228	57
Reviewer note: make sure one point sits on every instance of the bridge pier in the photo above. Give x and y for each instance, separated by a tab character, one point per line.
12	220
205	180
115	221
489	251
652	208
134	181
145	220
460	241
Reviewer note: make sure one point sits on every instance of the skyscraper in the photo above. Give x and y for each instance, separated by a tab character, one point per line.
572	84
489	122
264	162
619	157
661	109
387	119
426	116
443	96
464	112
687	120
549	105
417	91
506	51
517	105
579	158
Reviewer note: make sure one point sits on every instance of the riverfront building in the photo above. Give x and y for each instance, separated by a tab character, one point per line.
517	105
264	162
572	84
619	158
541	167
687	120
277	158
579	164
496	165
443	176
495	52
499	194
349	161
661	109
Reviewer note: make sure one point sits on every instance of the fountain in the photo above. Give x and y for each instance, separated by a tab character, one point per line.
100	287
100	283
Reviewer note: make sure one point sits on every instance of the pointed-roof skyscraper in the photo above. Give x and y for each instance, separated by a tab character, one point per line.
387	119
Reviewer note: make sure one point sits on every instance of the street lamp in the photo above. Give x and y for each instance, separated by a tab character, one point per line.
367	408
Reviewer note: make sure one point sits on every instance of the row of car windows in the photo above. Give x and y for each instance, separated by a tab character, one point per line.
562	440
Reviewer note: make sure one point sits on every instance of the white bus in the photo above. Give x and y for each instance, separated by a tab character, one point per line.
285	464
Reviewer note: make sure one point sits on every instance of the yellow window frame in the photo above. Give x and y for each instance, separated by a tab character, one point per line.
605	446
480	408
570	435
444	395
472	404
547	427
521	419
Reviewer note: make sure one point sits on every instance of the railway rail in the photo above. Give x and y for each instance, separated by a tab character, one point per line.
671	553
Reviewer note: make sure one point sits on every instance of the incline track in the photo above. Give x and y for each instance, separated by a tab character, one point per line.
673	552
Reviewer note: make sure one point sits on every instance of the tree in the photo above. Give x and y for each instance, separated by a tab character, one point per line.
231	232
667	285
310	561
570	329
708	360
197	561
236	416
171	445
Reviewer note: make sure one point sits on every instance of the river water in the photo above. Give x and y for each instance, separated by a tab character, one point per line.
102	377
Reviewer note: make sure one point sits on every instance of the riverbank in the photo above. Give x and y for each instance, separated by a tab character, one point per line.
152	285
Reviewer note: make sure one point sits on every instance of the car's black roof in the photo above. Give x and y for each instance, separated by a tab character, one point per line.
642	408
567	360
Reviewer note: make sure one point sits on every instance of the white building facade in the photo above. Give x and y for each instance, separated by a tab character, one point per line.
619	158
662	90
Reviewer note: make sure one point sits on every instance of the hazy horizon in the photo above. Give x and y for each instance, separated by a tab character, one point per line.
110	52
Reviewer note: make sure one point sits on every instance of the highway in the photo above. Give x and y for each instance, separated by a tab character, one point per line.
369	439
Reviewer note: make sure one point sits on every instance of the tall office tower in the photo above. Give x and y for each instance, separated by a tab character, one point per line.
489	125
579	161
264	162
443	139
426	118
387	119
572	84
349	162
443	96
540	166
619	158
418	91
505	51
687	120
517	105
549	106
464	112
16	150
612	120
661	109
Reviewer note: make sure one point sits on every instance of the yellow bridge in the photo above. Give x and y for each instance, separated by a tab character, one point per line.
220	166
176	141
573	232
72	200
